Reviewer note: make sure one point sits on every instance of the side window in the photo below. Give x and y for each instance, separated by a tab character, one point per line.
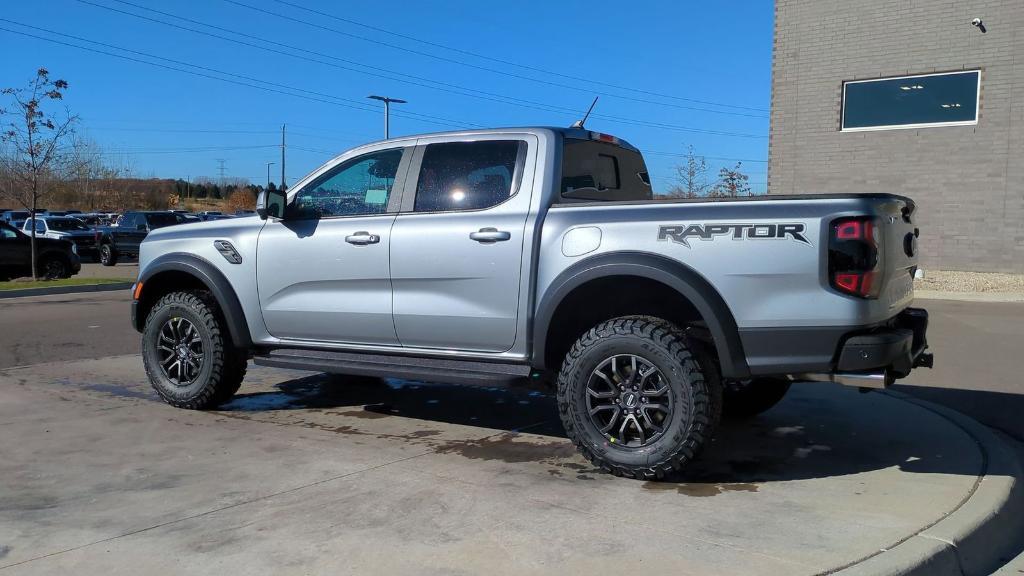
358	186
600	171
466	175
7	233
40	226
126	221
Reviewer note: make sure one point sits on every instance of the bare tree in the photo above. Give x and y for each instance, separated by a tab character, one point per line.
731	183
35	142
691	177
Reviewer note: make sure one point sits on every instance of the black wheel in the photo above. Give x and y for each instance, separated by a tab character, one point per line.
634	398
54	268
107	255
748	398
187	353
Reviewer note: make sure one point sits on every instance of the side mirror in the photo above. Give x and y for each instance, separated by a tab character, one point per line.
270	204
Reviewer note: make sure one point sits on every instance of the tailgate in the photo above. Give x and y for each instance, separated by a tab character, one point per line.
897	250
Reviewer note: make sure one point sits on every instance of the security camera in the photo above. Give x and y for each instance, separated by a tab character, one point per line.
977	23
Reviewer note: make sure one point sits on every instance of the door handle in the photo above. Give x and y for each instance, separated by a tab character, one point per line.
362	238
490	235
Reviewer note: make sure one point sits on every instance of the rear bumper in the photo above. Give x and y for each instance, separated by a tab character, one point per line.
894	347
897	349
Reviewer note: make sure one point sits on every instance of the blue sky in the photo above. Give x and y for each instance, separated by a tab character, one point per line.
670	74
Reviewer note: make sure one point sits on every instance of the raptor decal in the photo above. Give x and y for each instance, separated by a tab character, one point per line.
682	233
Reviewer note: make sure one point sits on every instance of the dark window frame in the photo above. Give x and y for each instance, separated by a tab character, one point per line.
917	125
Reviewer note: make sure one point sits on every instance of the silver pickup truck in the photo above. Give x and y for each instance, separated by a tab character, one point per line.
491	256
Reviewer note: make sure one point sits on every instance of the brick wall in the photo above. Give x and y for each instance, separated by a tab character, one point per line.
968	181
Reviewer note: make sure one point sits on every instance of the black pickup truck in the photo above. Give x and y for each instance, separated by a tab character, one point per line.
123	238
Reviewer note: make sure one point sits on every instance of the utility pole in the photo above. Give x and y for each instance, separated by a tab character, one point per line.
387	111
282	157
269	164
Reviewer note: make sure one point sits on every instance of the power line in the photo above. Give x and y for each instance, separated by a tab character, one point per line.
249	81
262	46
181	150
680	155
588	90
511	63
415	80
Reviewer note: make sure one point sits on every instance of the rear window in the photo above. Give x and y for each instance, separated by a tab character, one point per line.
66	224
602	171
160	220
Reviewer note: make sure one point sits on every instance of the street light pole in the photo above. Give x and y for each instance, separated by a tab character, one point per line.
269	164
387	111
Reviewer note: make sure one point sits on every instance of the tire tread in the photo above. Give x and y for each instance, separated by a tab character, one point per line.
706	396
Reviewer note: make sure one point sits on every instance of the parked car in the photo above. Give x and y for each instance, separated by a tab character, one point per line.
57	258
244	213
64	228
503	254
11	216
207	214
123	238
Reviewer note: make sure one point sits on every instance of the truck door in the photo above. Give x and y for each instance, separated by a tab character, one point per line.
323	271
14	251
457	245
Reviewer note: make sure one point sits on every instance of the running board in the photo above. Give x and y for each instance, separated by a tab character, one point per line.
393	366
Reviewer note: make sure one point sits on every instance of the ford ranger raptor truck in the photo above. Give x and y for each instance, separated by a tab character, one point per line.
488	256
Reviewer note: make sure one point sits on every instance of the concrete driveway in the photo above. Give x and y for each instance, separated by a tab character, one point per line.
305	473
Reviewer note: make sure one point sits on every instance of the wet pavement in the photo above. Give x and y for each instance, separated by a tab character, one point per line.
313	473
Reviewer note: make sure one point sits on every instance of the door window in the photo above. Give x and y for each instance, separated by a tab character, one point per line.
7	233
359	186
466	175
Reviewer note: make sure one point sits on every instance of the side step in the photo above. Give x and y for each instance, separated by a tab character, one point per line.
393	366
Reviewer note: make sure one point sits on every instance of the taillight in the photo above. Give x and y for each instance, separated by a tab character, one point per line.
853	263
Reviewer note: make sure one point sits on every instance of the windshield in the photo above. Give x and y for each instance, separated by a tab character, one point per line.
164	219
66	224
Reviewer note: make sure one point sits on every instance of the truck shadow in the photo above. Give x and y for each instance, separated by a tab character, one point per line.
819	431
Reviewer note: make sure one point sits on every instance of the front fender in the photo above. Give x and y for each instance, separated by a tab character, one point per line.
212	278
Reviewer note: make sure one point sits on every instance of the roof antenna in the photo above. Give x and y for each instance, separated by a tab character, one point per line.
579	123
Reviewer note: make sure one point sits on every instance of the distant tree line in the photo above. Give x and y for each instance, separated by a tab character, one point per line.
45	164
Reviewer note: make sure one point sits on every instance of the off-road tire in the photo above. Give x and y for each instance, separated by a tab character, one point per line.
696	399
751	397
223	367
108	256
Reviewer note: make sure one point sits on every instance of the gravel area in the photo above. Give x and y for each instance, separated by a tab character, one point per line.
983	282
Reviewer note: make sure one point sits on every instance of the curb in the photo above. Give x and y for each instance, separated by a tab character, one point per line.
980	534
969	296
65	290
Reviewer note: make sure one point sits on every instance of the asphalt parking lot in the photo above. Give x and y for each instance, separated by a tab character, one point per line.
309	473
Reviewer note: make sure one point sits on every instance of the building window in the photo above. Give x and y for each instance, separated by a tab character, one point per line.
948	99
